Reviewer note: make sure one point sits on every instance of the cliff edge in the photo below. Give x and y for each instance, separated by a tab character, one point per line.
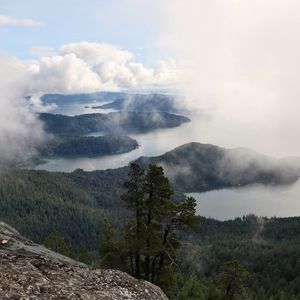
30	271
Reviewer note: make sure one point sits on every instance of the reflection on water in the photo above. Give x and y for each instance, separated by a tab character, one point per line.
72	109
280	201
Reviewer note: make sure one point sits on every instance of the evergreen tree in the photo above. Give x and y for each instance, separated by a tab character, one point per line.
56	242
150	236
232	279
136	202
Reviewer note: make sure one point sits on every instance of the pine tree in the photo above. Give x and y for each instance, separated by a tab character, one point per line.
150	236
232	279
135	199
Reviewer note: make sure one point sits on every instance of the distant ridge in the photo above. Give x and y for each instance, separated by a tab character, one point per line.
197	167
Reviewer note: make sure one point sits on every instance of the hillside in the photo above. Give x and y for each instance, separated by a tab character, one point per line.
90	146
117	122
197	167
142	103
75	203
37	202
269	248
31	271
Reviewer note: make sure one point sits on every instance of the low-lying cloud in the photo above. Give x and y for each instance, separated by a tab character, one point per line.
20	130
75	68
240	62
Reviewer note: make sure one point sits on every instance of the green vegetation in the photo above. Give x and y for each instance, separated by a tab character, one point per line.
87	145
87	210
115	122
38	202
269	249
142	103
148	243
197	167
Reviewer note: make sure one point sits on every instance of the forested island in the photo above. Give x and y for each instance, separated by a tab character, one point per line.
86	146
116	122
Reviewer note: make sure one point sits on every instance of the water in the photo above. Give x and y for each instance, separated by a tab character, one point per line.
224	204
280	201
203	128
72	109
150	144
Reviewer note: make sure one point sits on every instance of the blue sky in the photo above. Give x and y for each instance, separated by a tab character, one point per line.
125	23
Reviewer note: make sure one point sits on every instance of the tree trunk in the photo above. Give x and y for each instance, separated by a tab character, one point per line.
148	244
162	255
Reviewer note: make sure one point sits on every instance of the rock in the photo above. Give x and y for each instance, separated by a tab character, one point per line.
30	271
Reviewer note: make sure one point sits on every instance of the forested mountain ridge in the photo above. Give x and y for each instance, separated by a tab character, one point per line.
36	202
116	122
76	204
27	196
197	167
142	103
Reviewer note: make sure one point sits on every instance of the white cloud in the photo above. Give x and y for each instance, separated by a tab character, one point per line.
97	53
63	74
7	20
89	67
240	62
76	68
20	131
37	105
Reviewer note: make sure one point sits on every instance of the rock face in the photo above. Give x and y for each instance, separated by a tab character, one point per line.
30	271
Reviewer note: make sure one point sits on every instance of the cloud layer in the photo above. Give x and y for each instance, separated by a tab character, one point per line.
9	21
240	61
75	68
20	131
90	67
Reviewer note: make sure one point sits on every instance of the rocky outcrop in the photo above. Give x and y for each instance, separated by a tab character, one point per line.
30	271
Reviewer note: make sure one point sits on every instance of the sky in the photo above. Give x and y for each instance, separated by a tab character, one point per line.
118	22
238	60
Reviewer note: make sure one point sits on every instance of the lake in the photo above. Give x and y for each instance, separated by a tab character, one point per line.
221	204
269	201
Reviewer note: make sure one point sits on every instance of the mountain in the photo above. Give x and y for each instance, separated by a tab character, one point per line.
144	103
30	271
75	203
87	146
116	122
197	167
37	202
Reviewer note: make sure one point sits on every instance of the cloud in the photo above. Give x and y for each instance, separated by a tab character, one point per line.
97	53
240	62
76	68
90	67
20	130
63	74
9	21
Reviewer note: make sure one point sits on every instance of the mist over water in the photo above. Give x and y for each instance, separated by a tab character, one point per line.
280	201
203	128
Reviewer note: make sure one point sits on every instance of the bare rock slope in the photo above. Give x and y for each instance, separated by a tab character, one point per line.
30	271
